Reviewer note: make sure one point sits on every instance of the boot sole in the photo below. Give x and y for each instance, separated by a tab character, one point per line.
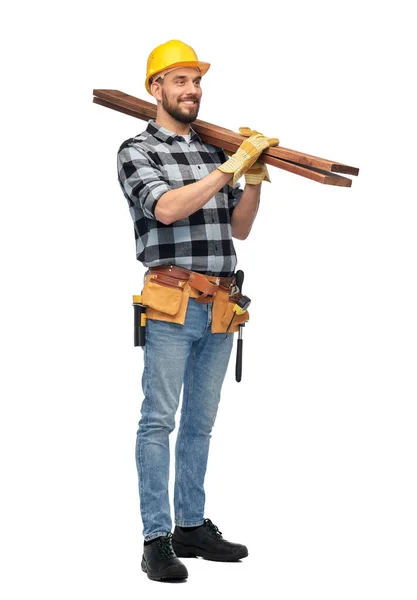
183	551
167	575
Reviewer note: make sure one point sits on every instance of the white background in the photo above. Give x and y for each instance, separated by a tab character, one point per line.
313	457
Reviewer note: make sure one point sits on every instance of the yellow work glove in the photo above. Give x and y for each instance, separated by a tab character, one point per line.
246	155
258	172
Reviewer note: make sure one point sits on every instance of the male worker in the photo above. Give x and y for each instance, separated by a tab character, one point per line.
186	207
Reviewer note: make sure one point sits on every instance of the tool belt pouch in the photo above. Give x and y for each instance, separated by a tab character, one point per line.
223	312
166	299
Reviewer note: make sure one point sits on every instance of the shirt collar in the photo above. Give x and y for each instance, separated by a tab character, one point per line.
164	135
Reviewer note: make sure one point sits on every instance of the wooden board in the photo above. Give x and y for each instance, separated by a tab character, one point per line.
305	165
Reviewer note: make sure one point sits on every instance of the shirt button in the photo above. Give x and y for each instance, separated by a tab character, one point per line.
198	167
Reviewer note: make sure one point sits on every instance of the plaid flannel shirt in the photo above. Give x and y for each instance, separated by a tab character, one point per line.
157	161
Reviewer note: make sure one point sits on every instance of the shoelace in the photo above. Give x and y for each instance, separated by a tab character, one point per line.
212	528
165	545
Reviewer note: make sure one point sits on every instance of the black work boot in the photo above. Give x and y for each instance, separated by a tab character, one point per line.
206	541
159	560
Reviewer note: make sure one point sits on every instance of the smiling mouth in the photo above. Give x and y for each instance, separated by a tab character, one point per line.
189	102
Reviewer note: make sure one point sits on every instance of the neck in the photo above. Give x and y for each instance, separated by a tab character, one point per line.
165	120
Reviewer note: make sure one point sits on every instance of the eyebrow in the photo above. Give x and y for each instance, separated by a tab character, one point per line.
178	77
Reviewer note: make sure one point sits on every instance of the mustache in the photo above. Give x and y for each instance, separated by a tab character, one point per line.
194	98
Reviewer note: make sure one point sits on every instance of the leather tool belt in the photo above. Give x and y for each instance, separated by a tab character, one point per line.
167	290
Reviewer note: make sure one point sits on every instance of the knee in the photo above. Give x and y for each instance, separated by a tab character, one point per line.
160	422
203	425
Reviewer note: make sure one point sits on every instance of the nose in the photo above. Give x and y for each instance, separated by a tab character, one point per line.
192	88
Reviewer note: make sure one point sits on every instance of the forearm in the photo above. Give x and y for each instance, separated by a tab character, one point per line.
182	202
245	212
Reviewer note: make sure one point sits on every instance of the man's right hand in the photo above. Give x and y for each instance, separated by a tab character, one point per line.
246	155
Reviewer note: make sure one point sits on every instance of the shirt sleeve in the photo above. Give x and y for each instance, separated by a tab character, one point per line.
234	195
140	178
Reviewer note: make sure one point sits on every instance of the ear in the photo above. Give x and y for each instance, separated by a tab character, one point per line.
156	90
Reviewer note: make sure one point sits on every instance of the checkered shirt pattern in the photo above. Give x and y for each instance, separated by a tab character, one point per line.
157	161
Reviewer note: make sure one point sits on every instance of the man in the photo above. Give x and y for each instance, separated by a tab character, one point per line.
186	207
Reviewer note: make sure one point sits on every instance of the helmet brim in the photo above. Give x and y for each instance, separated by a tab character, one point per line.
202	66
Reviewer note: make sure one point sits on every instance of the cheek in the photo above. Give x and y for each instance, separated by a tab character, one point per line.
171	98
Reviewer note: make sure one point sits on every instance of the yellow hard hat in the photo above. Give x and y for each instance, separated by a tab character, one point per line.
170	55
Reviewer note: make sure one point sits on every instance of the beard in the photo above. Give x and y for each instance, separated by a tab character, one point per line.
176	110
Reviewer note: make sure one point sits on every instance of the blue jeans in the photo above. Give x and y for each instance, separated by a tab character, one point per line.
186	355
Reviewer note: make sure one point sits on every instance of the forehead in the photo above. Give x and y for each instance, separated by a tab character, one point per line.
187	72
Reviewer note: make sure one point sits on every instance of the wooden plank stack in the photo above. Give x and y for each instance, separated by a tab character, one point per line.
312	167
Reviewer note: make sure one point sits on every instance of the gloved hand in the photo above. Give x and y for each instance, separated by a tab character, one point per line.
258	171
246	155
